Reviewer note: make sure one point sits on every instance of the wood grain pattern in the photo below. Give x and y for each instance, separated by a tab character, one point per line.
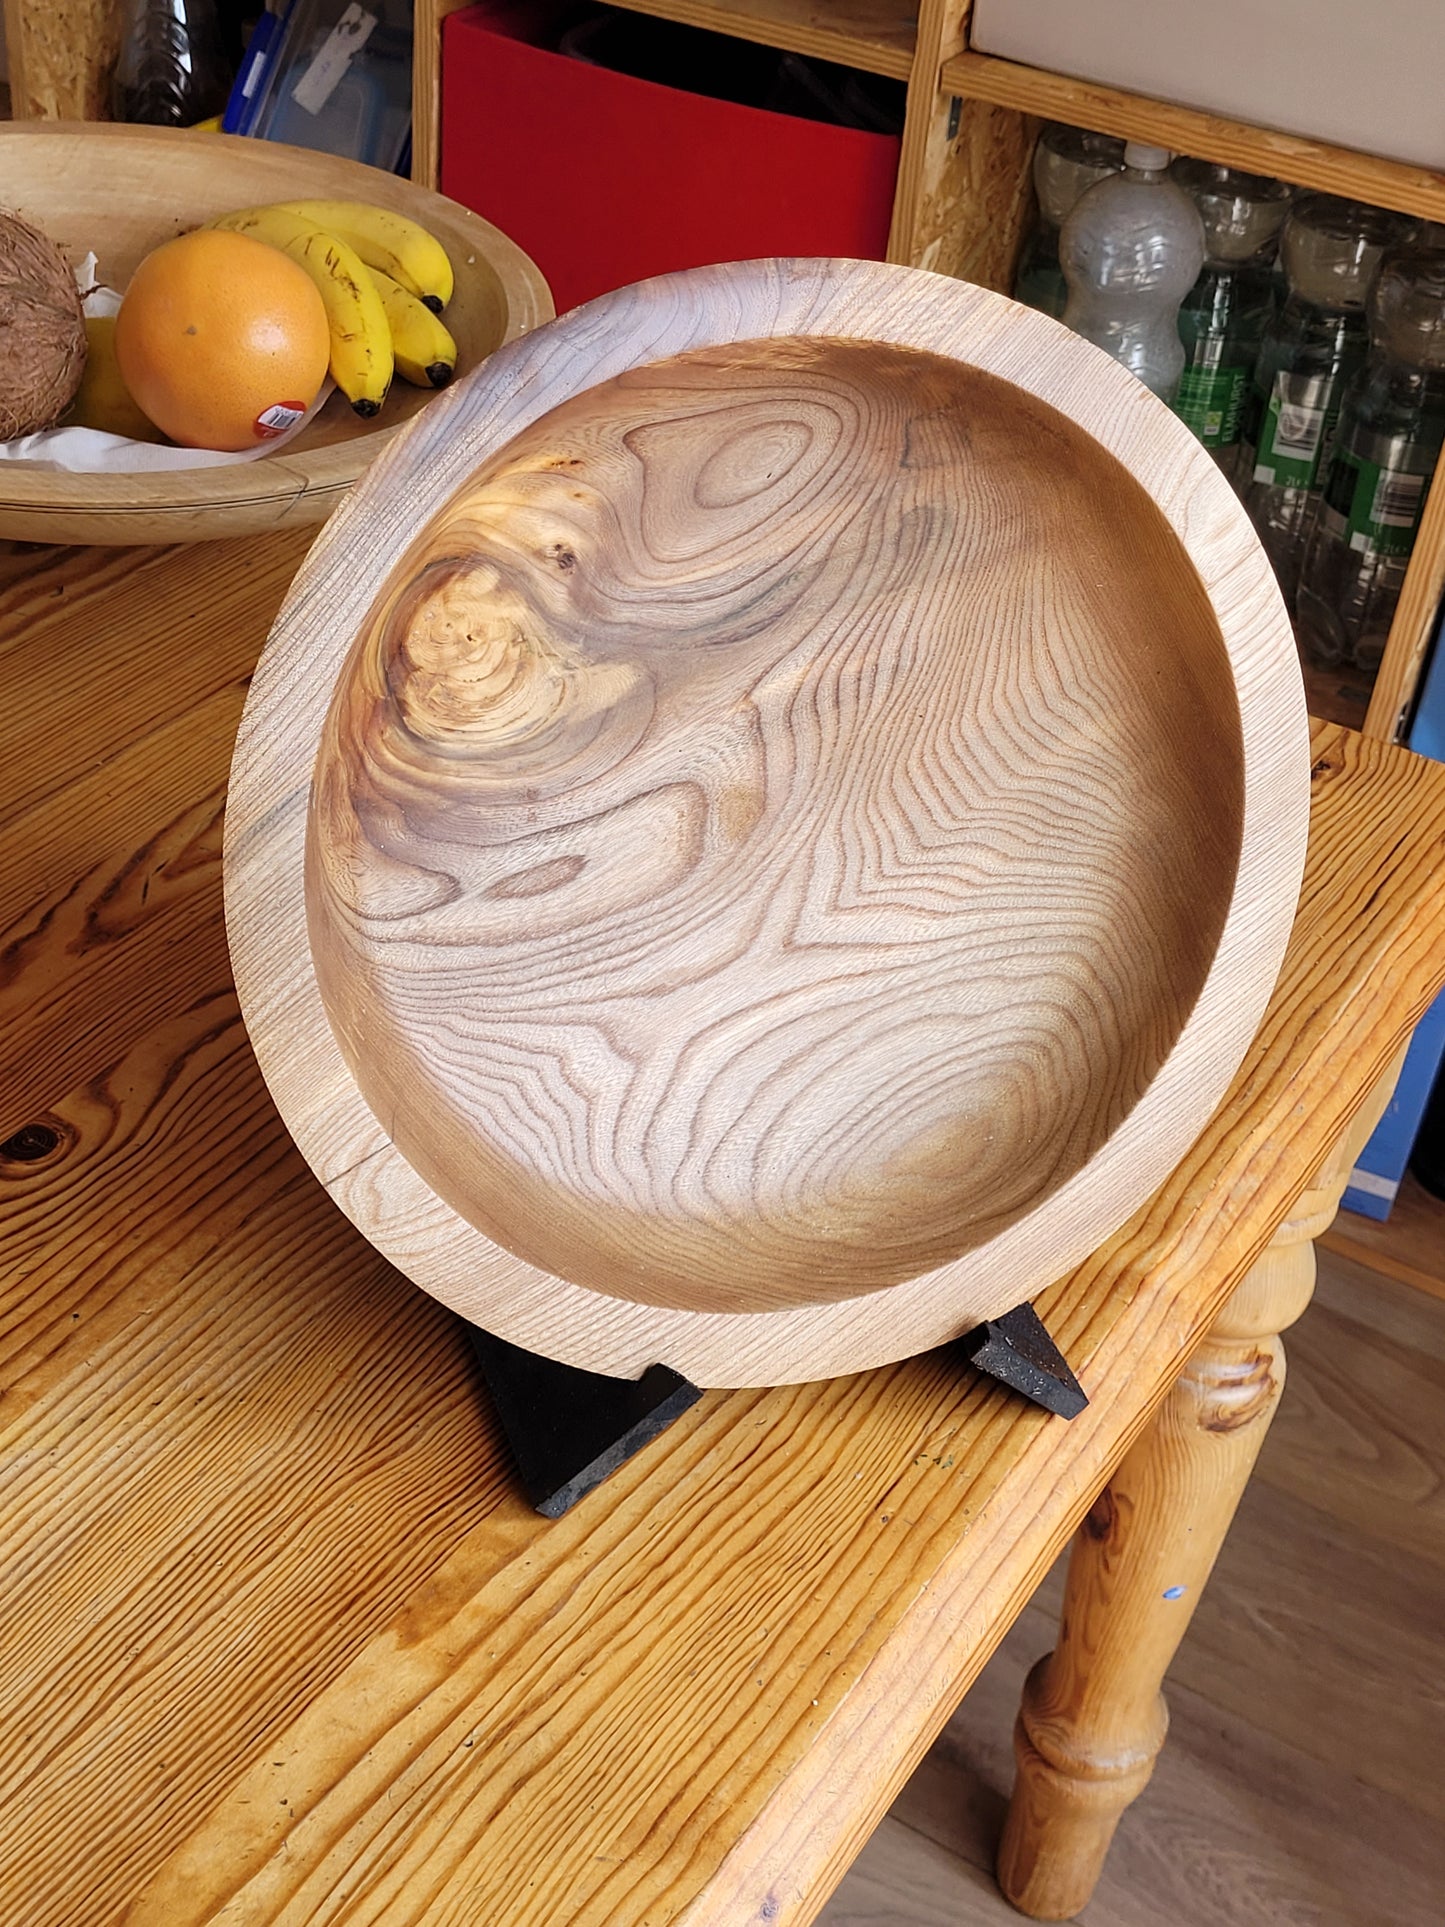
1259	150
586	759
121	191
428	18
1299	1780
170	1161
60	55
706	934
246	1473
965	186
153	774
1412	629
984	197
402	1717
1093	1718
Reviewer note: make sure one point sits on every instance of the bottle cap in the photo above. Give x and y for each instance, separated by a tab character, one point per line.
1149	159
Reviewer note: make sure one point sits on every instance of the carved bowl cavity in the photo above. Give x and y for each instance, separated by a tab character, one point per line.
768	822
775	826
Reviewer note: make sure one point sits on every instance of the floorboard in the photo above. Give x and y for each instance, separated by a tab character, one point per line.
1303	1783
1408	1245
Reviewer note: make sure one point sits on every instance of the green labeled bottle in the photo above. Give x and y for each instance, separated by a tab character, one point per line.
1391	428
1067	162
1311	351
1224	315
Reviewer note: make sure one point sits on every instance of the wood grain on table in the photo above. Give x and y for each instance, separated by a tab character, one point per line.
1300	1779
284	1640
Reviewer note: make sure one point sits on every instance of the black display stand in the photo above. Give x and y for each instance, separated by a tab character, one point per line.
1017	1350
569	1429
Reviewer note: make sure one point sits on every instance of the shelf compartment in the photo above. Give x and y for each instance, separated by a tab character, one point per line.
1310	163
875	36
1260	150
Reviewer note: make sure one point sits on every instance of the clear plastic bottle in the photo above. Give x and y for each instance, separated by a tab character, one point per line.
1331	250
1391	429
1067	163
1278	279
1131	250
1224	315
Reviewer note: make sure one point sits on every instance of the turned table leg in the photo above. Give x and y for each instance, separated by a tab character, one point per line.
1093	1717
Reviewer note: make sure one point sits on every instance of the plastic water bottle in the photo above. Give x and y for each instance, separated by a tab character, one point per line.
1068	161
1131	250
1391	429
1224	315
1331	250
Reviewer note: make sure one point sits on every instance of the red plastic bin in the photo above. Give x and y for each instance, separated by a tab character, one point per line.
605	179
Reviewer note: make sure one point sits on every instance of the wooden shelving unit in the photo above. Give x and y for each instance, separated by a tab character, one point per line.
989	85
878	38
60	58
1260	150
1410	1244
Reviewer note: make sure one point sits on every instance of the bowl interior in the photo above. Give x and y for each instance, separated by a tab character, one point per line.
774	824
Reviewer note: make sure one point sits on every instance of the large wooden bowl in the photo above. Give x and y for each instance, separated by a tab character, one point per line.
765	827
121	191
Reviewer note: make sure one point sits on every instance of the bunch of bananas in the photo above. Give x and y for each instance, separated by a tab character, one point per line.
384	280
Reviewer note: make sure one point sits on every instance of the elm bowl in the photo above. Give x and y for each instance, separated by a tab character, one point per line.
767	824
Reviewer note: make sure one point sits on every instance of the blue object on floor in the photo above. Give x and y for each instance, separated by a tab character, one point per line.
1379	1168
1376	1177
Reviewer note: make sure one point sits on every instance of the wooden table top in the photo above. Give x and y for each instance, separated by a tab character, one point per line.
283	1643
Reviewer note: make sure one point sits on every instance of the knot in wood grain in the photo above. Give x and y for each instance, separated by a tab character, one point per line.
468	667
1234	1385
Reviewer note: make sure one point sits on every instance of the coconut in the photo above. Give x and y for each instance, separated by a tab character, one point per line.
42	330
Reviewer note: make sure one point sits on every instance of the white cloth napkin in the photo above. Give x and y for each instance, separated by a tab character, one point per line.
88	451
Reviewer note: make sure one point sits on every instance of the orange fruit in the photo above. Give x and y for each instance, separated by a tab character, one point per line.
221	339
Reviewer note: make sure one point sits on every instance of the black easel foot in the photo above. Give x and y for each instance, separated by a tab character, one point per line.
568	1428
1017	1350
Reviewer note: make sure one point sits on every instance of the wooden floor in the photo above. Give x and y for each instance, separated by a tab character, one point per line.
1409	1245
1303	1782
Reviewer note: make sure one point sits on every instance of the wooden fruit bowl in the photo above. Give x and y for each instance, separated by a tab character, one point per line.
810	790
122	191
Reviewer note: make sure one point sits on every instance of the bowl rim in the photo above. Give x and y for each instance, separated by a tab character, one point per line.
38	504
346	1144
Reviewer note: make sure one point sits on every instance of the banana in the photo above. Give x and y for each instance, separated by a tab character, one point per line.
361	357
103	400
426	355
399	247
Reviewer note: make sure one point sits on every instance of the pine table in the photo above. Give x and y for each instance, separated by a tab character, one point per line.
283	1644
